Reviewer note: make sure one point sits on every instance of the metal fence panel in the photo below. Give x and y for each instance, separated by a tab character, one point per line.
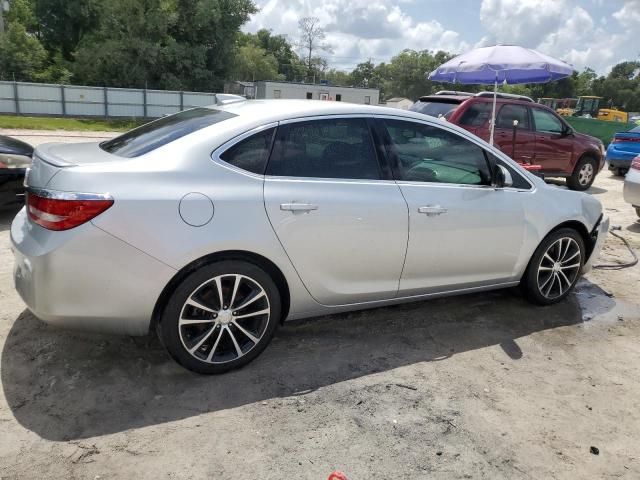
77	100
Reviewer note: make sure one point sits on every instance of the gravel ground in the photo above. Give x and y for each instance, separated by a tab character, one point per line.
482	386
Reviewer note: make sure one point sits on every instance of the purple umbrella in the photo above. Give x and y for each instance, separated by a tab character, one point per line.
501	63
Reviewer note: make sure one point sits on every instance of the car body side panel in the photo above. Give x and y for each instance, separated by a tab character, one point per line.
631	190
145	214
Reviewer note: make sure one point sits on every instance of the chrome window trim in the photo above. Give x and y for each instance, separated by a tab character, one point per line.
60	195
468	136
217	153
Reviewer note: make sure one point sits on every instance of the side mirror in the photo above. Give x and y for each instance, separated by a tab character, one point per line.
502	177
567	132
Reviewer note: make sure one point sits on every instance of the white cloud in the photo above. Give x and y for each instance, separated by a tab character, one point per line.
563	29
358	29
572	30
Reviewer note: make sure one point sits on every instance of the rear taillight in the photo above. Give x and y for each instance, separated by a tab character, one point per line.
635	164
626	139
63	210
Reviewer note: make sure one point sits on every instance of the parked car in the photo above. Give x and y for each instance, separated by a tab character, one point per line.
624	147
631	189
213	225
542	137
15	158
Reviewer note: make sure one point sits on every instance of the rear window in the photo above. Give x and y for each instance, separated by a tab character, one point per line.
435	109
165	130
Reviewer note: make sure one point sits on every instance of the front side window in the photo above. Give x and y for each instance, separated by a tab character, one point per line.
251	153
337	148
160	132
430	154
519	181
509	113
546	122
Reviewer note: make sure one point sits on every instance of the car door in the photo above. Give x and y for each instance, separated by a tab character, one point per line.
553	149
463	233
520	146
341	219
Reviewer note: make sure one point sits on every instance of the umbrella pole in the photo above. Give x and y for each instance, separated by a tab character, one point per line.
493	112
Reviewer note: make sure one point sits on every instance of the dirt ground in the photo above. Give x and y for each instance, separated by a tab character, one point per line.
482	386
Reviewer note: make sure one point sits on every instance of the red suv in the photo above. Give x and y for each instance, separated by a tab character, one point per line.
532	134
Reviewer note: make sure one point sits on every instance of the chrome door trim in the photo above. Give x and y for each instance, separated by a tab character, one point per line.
326	117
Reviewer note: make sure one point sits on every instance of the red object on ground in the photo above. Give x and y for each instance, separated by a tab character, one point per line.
337	476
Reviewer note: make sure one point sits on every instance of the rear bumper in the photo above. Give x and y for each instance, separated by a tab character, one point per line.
599	234
617	158
85	279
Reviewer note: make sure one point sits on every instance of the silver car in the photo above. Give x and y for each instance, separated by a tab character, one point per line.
631	189
214	225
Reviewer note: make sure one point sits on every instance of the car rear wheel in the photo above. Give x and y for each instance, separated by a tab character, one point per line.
221	317
638	211
554	268
583	175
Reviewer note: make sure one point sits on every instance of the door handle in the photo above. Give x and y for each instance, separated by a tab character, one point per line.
432	210
298	207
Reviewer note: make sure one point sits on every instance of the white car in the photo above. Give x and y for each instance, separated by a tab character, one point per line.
213	225
631	190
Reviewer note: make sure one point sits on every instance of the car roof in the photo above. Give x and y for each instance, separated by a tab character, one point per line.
264	111
439	98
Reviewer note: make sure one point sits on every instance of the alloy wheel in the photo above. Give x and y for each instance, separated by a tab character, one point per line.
559	267
585	174
224	318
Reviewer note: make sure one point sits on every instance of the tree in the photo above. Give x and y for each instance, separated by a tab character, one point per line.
255	63
21	54
63	23
311	40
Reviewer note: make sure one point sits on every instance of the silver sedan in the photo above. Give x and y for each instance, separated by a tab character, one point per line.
214	225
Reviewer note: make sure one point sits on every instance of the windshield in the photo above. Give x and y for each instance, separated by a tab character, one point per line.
155	134
435	109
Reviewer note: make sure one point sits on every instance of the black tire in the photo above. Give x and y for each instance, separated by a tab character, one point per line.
534	277
619	171
223	329
577	180
638	211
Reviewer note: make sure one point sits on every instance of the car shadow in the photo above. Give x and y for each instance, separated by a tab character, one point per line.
596	190
66	385
6	216
634	227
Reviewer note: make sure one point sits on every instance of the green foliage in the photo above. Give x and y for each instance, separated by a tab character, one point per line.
55	123
22	56
255	63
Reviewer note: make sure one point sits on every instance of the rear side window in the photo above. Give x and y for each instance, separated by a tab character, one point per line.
509	113
165	130
476	114
434	109
336	148
251	153
429	154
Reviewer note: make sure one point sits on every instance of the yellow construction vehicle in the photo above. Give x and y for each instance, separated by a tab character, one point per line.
589	107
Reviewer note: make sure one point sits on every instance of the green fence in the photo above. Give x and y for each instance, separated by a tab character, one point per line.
598	128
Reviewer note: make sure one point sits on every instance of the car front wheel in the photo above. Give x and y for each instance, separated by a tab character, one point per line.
554	268
221	317
583	175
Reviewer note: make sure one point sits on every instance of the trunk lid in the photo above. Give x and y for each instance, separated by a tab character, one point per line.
50	158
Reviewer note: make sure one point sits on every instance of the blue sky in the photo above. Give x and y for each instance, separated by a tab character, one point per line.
594	33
